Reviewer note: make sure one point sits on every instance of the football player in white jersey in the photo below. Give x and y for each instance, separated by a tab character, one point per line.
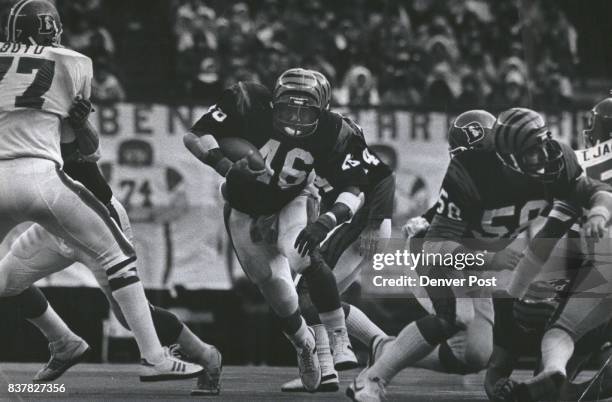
36	253
38	82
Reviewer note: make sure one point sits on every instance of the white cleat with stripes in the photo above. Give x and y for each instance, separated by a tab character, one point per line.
170	368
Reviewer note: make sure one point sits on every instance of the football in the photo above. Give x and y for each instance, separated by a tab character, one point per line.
236	148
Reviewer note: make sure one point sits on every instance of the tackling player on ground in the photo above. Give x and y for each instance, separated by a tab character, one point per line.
476	213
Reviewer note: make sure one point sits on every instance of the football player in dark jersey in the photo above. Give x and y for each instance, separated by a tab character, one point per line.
345	250
476	212
589	305
295	135
67	348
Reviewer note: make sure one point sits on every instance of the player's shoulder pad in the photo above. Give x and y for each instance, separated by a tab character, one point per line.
464	170
245	96
66	54
347	130
571	165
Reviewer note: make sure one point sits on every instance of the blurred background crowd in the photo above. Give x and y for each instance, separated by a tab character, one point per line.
435	54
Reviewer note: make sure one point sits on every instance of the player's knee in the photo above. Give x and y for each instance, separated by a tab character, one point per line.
464	313
10	285
456	364
436	329
477	358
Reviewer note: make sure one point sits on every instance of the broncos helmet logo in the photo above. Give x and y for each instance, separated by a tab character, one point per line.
47	24
474	132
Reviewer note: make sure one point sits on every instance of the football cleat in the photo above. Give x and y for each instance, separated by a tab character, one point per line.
170	368
329	383
308	364
209	382
344	357
377	347
366	389
65	353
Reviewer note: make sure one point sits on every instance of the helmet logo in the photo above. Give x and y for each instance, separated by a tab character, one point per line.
47	24
474	132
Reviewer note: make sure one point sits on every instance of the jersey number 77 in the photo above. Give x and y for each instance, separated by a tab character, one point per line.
32	97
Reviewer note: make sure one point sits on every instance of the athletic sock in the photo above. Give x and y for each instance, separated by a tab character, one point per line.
192	346
557	349
301	337
135	308
52	326
333	320
326	359
407	349
361	327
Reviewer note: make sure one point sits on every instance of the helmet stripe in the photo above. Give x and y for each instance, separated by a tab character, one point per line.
528	119
12	32
505	133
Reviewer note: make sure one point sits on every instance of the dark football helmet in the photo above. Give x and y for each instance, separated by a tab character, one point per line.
33	22
600	123
471	130
326	86
297	102
525	145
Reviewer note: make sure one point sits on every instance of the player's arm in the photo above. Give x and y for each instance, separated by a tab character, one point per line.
344	169
558	222
201	140
87	140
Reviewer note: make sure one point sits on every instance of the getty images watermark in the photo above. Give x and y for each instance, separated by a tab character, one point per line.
407	261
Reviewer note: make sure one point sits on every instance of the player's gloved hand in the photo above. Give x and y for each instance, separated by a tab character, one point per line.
504	391
313	234
595	227
79	112
368	240
414	226
503	259
244	167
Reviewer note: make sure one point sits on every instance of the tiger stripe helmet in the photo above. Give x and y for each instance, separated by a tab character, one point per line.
600	123
33	22
297	102
525	145
471	130
326	86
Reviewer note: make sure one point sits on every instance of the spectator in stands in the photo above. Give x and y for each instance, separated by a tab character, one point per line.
105	87
511	92
472	93
442	88
359	88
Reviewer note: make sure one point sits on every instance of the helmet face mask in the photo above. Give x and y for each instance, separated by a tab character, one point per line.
297	103
543	162
296	116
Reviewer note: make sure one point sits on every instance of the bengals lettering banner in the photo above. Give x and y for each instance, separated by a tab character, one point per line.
175	206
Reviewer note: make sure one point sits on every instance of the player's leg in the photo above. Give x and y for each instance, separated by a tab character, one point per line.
68	210
170	329
468	351
413	343
270	272
318	276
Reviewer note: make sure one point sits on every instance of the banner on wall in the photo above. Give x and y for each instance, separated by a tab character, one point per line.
174	203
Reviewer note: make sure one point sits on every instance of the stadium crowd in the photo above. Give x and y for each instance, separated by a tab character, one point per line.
421	53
